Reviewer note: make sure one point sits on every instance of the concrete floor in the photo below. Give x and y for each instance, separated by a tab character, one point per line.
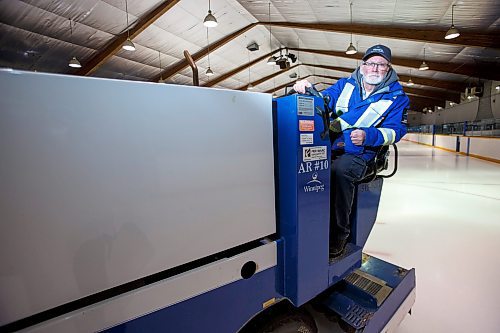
441	215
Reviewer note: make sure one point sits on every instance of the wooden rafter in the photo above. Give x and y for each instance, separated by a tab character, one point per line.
476	39
425	100
475	71
284	85
181	64
116	44
449	85
441	95
264	79
227	75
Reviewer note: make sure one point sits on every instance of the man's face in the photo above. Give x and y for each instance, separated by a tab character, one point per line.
374	69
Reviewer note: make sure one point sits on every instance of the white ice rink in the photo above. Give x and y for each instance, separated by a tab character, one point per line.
441	215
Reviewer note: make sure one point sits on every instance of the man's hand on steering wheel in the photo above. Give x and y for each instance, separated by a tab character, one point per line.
300	86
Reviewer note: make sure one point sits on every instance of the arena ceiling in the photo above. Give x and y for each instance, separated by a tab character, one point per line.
312	37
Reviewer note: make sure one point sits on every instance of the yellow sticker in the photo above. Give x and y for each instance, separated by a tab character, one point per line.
268	303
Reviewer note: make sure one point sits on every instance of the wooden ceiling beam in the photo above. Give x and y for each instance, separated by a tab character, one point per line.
266	78
482	71
328	77
450	96
93	64
283	85
449	85
429	102
466	38
181	64
227	75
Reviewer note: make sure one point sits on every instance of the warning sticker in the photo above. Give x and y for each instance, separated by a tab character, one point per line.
306	125
305	106
314	153
306	139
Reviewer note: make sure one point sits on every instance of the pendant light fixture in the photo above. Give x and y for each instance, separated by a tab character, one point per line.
351	49
73	63
423	66
210	21
452	32
128	45
272	59
209	72
410	82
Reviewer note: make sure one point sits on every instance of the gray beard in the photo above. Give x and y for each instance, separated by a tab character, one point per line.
372	80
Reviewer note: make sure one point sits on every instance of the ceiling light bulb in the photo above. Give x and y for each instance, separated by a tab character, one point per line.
209	72
74	63
410	83
275	96
423	66
271	60
497	87
128	45
210	21
351	49
452	33
250	87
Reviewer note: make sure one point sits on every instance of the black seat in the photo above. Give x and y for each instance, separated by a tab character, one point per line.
379	164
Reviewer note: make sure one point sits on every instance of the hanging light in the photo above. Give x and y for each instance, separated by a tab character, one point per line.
275	96
410	82
209	72
351	49
73	63
423	65
272	59
128	45
452	32
210	21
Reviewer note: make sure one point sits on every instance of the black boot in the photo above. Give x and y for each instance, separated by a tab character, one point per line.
337	247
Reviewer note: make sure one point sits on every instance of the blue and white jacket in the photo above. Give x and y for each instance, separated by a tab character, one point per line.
382	115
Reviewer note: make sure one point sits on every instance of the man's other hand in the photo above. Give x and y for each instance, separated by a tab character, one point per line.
300	86
358	137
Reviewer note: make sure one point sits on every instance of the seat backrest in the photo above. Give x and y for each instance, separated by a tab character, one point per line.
378	164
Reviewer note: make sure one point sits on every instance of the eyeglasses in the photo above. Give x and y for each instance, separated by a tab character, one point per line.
375	65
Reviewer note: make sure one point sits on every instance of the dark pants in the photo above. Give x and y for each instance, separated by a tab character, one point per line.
346	171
